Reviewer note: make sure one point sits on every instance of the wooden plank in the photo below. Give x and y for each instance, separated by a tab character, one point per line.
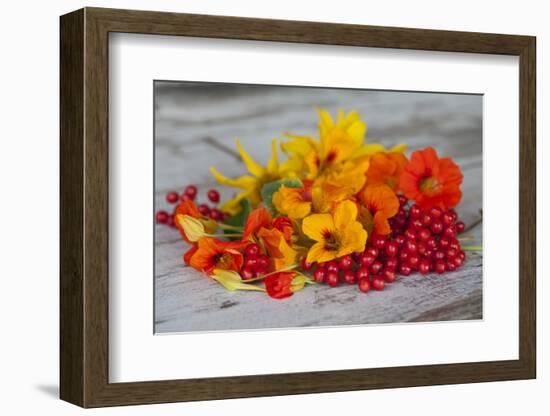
195	127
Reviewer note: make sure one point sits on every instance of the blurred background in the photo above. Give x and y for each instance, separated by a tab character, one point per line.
196	125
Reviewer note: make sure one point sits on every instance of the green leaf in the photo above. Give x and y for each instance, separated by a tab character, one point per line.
270	188
239	219
231	280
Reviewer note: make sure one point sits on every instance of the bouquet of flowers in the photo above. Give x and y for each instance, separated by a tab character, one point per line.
335	210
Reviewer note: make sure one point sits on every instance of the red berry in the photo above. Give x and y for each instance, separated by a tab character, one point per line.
170	221
389	276
426	219
462	255
413	261
402	200
458	261
424	266
362	273
432	243
190	191
305	265
392	248
379	242
415	211
261	270
439	255
376	267
405	269
204	210
332	266
373	251
440	266
184	197
411	246
444	243
454	214
447	218
213	196
410	234
400	239
449	232
366	259
378	283
436	226
417	223
364	285
247	273
450	265
460	227
349	276
162	217
263	263
424	234
332	278
215	214
391	264
451	253
403	256
252	250
436	212
319	275
345	263
454	243
251	263
423	248
172	197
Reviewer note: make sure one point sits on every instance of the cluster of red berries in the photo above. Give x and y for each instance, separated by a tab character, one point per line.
422	240
255	264
190	194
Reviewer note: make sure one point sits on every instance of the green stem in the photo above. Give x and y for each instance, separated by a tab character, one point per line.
284	269
223	235
229	227
472	248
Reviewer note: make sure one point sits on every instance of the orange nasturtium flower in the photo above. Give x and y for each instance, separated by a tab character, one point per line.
431	181
386	168
378	203
190	210
275	236
336	234
283	284
212	253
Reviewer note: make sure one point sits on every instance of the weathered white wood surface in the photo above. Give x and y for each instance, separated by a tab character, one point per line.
195	127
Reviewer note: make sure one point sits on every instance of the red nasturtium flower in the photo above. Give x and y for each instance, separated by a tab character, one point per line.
283	284
212	253
431	181
257	219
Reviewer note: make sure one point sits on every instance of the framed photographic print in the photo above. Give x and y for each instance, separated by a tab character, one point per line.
256	207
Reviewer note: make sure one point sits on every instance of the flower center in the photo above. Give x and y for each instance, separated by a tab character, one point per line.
305	194
223	260
429	185
332	242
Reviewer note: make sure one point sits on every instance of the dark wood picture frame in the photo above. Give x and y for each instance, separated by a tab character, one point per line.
84	207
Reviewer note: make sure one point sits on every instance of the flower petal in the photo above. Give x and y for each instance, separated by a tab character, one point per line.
345	213
253	167
315	225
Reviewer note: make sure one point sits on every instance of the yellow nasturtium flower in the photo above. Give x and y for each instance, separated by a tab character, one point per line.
339	142
336	234
252	184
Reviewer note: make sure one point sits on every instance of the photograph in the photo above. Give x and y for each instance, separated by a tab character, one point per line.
280	207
